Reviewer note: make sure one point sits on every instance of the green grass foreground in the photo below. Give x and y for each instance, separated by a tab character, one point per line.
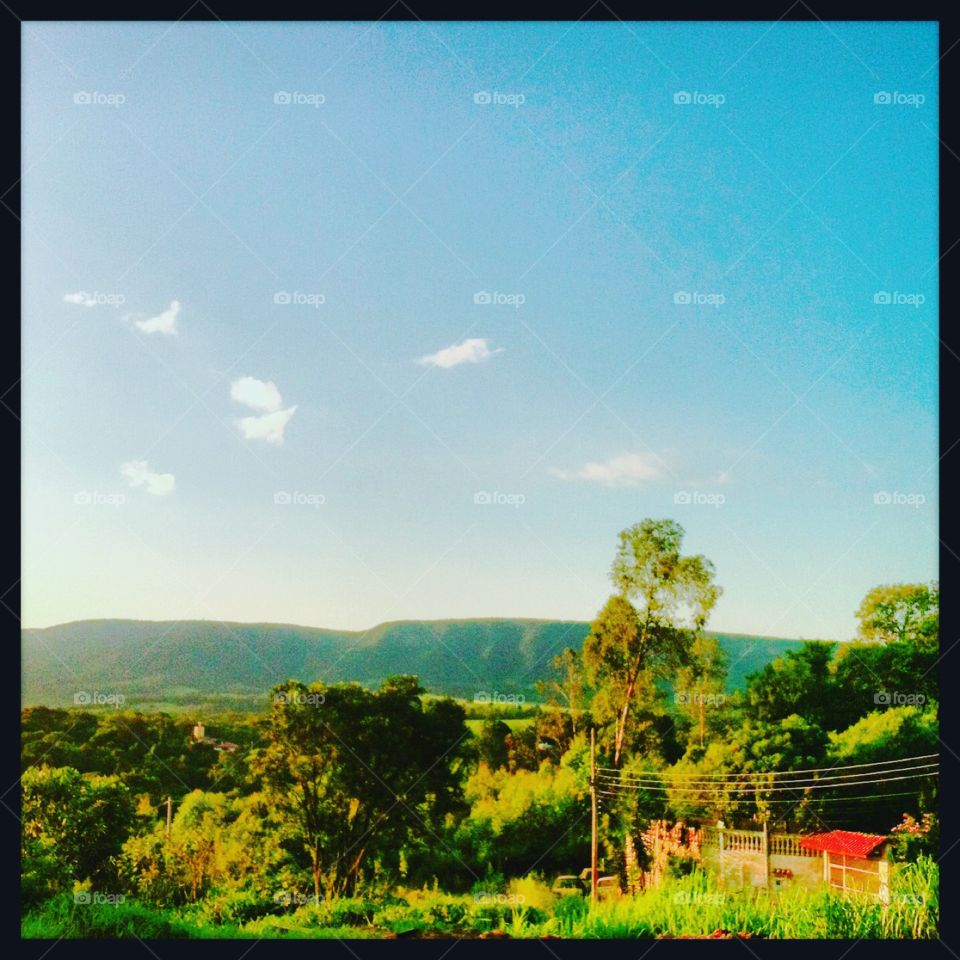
691	906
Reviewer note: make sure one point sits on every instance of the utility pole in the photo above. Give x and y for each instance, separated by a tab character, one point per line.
593	813
169	813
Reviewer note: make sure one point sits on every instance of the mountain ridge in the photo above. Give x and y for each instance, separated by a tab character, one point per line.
460	657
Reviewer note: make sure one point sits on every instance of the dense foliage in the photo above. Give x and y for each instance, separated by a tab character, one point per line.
330	809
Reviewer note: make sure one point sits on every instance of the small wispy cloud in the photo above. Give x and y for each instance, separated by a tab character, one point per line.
470	351
628	470
139	474
165	322
263	396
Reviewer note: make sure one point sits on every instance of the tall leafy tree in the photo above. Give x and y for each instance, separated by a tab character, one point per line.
646	630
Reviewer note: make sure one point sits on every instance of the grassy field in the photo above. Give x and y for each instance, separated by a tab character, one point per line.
692	906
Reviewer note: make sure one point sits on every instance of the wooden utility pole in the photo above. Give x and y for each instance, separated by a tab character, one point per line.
169	813
593	815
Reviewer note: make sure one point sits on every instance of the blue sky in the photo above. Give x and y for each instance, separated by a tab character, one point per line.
337	324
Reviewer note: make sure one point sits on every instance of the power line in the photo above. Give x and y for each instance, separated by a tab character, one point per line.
876	797
759	788
785	773
755	780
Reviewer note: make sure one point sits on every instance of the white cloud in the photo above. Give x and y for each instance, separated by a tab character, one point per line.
261	395
628	470
269	427
256	394
139	474
165	322
470	351
81	298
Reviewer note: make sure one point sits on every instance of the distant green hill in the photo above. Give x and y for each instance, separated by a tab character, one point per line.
177	661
